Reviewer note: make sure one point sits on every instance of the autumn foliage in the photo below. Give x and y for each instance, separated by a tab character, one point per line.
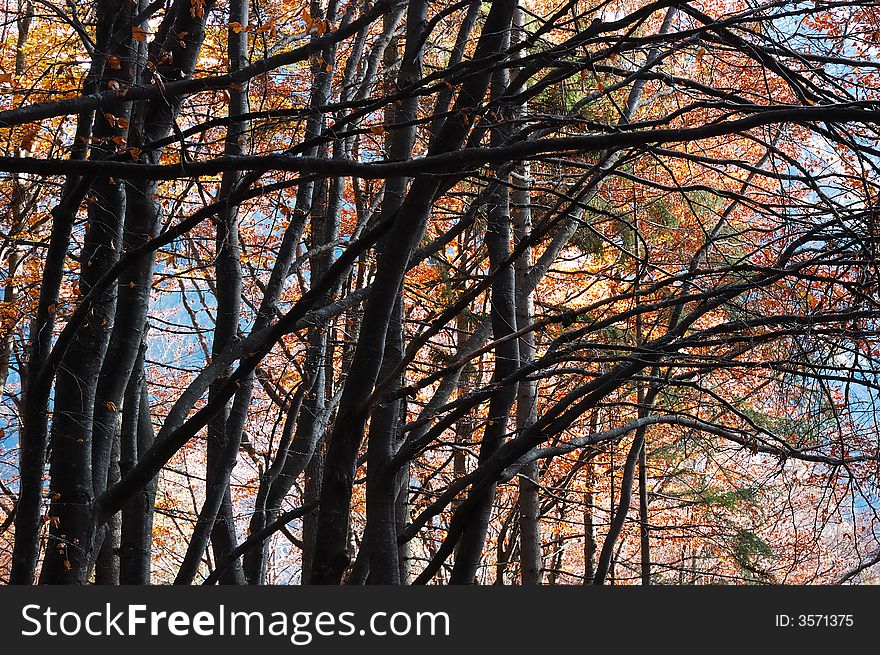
418	292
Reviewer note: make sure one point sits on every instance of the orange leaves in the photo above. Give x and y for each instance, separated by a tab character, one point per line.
314	25
321	64
268	28
5	78
138	34
114	63
27	139
117	121
238	28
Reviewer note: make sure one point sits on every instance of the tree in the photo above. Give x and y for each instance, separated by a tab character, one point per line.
428	292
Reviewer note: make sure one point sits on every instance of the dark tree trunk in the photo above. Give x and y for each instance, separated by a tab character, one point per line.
70	551
503	314
36	388
331	553
137	515
215	519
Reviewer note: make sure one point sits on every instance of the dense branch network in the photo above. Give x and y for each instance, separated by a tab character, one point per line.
409	292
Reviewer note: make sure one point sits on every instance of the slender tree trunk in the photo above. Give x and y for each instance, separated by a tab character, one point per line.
311	418
33	442
17	201
313	485
382	486
137	515
644	532
589	525
527	390
621	511
224	434
382	489
507	357
107	568
70	553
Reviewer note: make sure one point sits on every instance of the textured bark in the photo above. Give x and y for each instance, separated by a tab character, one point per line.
527	390
70	551
382	488
137	515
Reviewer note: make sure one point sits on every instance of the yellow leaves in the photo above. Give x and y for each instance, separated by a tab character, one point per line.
238	28
138	34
